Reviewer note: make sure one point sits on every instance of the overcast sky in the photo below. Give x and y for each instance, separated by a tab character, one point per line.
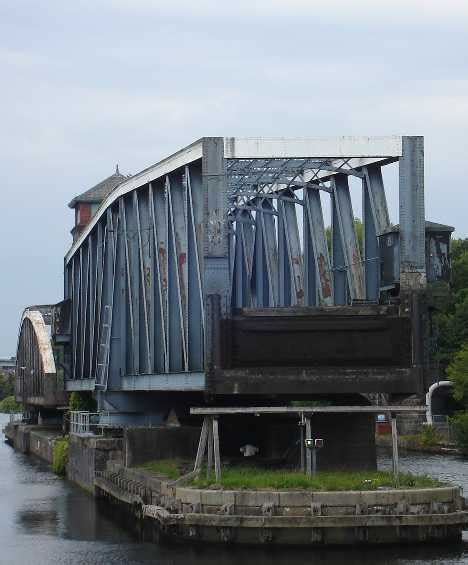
88	84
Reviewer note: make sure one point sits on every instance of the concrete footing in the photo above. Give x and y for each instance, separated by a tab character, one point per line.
285	517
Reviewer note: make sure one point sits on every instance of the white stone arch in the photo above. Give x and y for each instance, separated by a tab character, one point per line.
34	357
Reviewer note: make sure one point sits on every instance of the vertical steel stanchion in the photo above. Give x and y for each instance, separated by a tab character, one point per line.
302	442
395	461
308	452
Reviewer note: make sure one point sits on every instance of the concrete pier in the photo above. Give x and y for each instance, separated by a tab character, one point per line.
285	517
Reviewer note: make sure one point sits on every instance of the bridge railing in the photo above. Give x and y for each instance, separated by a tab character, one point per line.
15	417
441	423
94	423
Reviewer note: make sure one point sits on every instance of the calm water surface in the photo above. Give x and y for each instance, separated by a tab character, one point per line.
44	521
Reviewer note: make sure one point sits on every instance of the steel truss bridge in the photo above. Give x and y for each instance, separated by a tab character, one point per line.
211	271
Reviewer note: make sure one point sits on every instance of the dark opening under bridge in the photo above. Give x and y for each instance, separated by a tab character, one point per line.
213	272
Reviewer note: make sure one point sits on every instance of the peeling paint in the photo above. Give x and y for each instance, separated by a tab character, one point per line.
324	275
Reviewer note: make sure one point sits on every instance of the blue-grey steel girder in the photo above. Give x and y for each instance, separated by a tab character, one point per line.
292	249
92	300
268	227
339	267
243	235
133	279
260	288
120	315
349	242
102	243
159	220
196	315
318	266
75	318
144	255
177	274
376	221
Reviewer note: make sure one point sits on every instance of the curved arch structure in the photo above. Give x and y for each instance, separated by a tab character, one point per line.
429	394
37	382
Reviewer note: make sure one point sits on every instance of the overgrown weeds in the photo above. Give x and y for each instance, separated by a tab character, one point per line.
60	456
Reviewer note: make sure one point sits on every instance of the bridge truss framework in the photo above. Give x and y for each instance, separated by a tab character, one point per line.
236	219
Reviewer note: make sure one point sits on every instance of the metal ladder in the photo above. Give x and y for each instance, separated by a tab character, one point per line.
103	352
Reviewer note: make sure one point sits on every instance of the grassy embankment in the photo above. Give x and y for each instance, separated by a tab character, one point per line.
257	478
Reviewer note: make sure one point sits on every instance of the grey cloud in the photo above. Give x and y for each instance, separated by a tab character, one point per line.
86	85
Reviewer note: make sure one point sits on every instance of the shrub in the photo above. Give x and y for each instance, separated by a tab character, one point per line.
9	405
60	456
429	436
457	372
459	424
82	401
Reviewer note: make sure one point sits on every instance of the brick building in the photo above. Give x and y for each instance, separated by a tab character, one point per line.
86	204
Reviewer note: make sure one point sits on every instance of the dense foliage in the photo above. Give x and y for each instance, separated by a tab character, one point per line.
452	318
459	424
7	386
451	323
82	401
457	372
9	405
60	456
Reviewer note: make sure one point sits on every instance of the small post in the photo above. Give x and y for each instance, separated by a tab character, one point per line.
308	453
314	461
201	446
217	460
209	465
302	442
395	447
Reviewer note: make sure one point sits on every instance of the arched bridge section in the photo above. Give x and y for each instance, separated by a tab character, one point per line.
222	249
38	383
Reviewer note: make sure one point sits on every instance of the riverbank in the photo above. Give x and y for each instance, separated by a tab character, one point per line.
53	522
372	514
413	443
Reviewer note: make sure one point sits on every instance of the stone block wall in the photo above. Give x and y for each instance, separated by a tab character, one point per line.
148	444
90	454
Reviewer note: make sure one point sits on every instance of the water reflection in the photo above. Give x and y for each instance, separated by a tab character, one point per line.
45	520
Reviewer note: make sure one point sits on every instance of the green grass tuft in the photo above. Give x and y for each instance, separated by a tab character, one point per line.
255	478
170	468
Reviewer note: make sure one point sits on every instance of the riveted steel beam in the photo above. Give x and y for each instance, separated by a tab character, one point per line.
349	241
318	274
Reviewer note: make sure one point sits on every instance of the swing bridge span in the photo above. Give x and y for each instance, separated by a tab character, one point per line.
214	273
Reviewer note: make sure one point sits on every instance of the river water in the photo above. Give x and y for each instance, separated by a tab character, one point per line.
45	520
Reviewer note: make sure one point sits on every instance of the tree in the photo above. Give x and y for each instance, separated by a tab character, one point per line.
82	401
9	405
457	372
7	387
358	227
451	320
460	265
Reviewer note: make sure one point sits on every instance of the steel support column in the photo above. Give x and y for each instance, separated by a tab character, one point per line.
412	221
